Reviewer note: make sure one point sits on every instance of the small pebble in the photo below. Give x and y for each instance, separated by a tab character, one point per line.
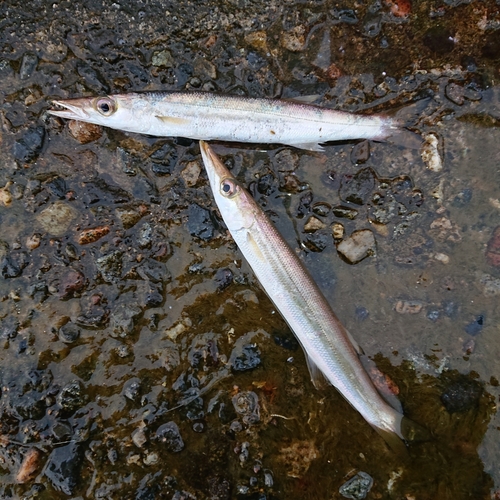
475	326
30	465
139	437
408	306
33	241
191	173
91	235
294	40
357	487
430	153
313	224
358	246
337	231
84	132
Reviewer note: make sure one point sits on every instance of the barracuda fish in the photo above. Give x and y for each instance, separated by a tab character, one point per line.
329	349
207	116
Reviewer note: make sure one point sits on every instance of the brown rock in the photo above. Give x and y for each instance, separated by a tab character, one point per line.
30	465
92	234
493	249
84	132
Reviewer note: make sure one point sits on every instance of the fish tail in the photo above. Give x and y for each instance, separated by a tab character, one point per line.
401	120
413	432
393	440
406	431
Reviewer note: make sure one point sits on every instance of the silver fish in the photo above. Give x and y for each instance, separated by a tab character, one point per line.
207	116
329	349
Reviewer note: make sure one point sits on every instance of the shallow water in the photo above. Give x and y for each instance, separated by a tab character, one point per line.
106	337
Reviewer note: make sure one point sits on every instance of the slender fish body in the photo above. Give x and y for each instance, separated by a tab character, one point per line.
287	282
207	116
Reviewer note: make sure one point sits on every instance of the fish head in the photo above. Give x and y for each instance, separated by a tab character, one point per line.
236	205
114	111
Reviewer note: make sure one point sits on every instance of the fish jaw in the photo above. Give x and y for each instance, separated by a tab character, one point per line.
74	109
216	170
238	211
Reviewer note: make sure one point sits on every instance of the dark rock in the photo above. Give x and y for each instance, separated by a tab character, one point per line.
358	188
69	333
92	78
287	341
360	152
462	395
110	266
347	16
439	40
124	318
200	223
246	404
463	198
9	268
73	282
304	204
362	313
145	236
455	93
96	317
71	397
265	184
248	359
317	241
491	48
357	487
169	435
148	492
63	467
223	278
165	159
152	270
154	298
321	208
476	325
5	68
28	65
27	148
9	327
345	212
433	314
57	187
30	406
132	389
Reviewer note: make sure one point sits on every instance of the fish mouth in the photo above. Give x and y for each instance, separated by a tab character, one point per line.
74	109
216	170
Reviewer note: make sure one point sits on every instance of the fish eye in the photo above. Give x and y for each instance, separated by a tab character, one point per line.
228	188
105	106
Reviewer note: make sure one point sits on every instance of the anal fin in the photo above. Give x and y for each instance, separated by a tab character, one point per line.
317	377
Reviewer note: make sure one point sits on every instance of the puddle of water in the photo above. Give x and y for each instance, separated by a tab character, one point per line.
104	333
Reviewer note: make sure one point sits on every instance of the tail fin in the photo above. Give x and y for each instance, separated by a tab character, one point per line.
409	432
404	118
413	432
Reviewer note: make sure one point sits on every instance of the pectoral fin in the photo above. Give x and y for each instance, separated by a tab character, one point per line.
303	99
174	120
310	146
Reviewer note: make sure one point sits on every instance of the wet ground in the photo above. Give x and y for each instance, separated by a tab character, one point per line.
139	357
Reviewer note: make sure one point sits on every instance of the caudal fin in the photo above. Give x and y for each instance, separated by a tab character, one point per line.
408	432
404	118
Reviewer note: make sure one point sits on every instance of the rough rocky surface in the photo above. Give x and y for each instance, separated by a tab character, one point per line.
125	306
